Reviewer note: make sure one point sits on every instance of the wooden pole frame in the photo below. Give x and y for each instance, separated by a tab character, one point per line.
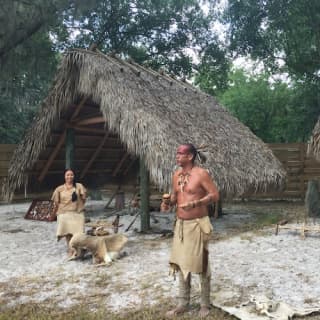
52	156
117	168
92	120
94	156
144	196
60	142
70	146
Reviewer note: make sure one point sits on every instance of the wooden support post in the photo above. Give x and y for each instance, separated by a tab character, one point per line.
217	209
302	159
52	156
144	195
70	149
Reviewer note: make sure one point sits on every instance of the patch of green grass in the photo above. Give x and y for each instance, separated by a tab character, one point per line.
82	312
267	219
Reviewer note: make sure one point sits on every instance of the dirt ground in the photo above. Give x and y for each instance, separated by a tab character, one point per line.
247	259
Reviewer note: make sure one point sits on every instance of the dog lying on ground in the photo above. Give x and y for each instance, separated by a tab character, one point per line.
104	249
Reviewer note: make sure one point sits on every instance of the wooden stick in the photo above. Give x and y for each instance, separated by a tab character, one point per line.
132	222
113	195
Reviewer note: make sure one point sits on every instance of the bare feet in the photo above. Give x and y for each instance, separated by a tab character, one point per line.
176	312
203	312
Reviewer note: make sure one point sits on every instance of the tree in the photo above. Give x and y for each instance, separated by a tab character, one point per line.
284	34
24	81
20	20
274	112
156	33
212	75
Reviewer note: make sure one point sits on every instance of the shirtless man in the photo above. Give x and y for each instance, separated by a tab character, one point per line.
192	190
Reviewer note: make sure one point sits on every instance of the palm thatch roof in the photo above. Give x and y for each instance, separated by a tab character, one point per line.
314	144
149	115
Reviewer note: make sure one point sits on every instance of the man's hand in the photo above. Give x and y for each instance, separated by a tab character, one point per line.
188	205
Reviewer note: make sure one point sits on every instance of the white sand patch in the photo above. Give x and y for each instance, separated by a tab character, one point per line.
34	267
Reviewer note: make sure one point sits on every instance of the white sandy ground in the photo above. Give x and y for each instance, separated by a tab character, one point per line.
34	267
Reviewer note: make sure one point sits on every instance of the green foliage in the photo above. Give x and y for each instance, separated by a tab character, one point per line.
24	81
156	33
20	20
285	35
275	113
212	76
274	30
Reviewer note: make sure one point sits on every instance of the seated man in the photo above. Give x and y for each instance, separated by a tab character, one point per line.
165	205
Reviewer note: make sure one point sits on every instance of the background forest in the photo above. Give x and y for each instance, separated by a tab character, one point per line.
261	59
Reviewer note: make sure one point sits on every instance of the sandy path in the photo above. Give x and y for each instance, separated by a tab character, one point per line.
33	266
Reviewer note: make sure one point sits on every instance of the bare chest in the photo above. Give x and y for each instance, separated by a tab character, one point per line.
188	184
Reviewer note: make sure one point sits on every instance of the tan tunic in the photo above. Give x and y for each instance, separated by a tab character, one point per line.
70	215
190	239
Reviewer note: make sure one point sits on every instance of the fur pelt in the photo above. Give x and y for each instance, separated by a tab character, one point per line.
104	249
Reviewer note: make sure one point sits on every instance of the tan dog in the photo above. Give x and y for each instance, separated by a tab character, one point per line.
104	249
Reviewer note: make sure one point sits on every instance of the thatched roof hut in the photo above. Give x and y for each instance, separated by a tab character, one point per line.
120	112
314	144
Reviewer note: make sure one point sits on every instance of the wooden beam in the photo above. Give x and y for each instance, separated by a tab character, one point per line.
117	168
93	120
95	154
61	171
129	166
60	142
69	152
86	129
144	196
78	108
52	156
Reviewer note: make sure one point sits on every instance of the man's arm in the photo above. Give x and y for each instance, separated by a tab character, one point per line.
210	187
173	198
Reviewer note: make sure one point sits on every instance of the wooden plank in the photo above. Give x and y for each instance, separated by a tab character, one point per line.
89	130
117	168
3	172
36	173
5	156
78	108
93	120
7	148
94	156
4	164
295	145
69	151
52	156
